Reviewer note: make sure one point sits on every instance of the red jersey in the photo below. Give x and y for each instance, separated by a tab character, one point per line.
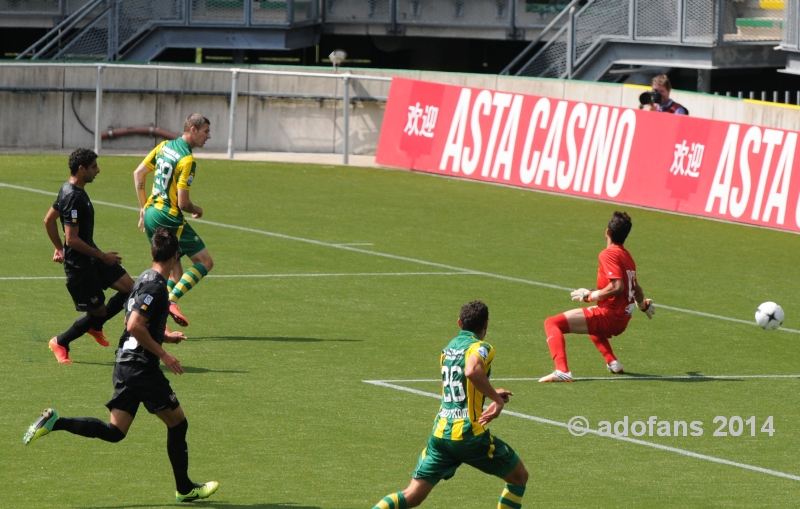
616	262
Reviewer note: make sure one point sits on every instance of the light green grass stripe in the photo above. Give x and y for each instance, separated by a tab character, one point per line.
404	258
667	448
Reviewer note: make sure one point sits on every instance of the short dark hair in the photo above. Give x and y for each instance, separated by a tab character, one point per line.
165	244
195	120
81	157
619	226
474	316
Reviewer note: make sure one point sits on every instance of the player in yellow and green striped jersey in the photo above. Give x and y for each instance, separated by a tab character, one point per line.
174	168
459	431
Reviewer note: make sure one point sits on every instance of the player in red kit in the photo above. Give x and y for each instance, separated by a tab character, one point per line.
618	293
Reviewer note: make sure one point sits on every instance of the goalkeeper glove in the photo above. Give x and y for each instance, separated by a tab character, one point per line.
584	295
647	307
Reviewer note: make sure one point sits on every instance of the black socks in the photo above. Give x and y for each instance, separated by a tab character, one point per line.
89	427
178	452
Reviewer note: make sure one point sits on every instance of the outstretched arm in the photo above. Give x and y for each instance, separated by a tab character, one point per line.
614	288
51	225
474	372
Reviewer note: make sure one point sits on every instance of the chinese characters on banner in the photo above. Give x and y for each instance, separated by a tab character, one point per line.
677	163
421	122
693	159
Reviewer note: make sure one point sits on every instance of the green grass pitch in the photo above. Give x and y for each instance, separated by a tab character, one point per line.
274	389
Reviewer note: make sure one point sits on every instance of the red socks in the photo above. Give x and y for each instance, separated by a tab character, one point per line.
604	346
555	327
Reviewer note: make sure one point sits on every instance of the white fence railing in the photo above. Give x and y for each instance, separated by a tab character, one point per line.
347	78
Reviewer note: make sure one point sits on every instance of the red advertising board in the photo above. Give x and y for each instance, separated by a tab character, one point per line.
695	166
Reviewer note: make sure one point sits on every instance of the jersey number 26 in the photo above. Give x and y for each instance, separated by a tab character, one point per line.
452	388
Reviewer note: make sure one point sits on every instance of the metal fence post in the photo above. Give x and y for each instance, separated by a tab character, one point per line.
111	28
570	41
98	103
234	80
796	27
346	120
632	20
512	19
720	8
290	12
681	19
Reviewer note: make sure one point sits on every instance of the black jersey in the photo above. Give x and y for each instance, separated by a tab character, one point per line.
150	299
75	209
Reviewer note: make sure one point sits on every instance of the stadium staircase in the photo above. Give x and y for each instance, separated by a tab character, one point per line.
138	30
597	40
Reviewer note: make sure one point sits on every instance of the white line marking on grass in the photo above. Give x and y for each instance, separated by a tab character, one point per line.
402	258
344	274
28	278
621	377
667	448
248	276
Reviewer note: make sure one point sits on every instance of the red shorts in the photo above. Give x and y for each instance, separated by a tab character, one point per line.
604	322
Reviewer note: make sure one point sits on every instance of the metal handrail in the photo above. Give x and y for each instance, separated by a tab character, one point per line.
193	68
67	46
574	62
538	39
64	26
546	46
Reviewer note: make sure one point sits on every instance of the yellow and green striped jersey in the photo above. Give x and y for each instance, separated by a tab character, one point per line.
174	165
462	404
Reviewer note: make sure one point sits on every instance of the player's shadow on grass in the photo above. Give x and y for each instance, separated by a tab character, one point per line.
690	377
186	369
190	369
278	339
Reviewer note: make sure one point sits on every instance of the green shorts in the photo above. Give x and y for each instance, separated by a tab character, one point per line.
190	242
441	458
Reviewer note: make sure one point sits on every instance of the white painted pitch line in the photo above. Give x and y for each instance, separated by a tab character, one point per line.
403	258
29	278
344	274
254	276
620	378
667	448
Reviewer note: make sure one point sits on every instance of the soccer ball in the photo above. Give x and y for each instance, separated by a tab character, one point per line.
769	316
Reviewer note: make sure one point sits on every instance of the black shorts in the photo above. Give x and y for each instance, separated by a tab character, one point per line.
86	287
136	383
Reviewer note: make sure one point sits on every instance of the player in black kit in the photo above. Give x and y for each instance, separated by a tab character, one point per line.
89	270
137	376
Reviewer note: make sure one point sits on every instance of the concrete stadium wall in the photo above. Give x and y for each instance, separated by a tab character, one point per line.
306	117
